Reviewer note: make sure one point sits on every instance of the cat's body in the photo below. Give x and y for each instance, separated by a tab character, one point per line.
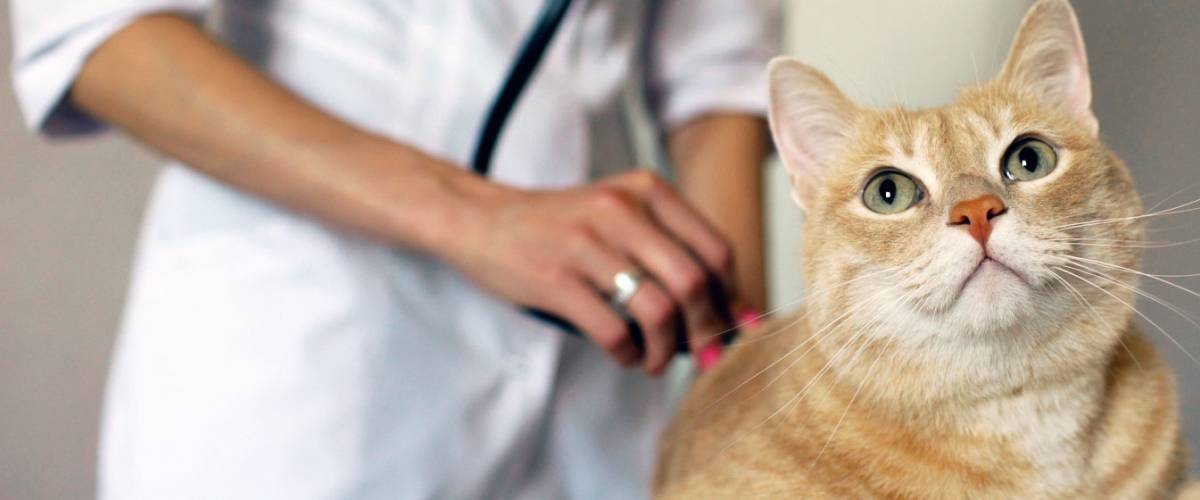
969	326
1113	436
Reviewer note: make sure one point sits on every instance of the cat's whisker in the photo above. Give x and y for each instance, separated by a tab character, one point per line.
804	314
861	384
1118	240
1111	240
1176	210
1073	215
799	396
1084	301
845	314
1158	230
1172	195
1151	209
1147	246
867	327
814	338
1135	311
763	315
975	68
795	399
1122	243
1157	277
1154	298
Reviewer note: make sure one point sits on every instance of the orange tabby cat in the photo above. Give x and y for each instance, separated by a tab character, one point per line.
960	339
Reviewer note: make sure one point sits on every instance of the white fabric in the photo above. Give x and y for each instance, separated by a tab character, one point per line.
264	355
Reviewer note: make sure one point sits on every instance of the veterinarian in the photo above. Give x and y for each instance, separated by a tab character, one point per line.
327	304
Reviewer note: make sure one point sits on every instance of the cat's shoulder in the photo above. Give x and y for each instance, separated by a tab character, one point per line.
1138	446
696	445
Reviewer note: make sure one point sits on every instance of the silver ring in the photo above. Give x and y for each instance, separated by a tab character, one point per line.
626	284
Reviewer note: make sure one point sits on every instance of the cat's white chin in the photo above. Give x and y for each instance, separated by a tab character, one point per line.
993	297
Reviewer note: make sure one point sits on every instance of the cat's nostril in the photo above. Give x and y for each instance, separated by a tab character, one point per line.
978	214
977	210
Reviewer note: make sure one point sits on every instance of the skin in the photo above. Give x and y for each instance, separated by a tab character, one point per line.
714	150
931	362
167	83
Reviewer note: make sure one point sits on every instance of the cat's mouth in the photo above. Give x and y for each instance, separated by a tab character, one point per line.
989	264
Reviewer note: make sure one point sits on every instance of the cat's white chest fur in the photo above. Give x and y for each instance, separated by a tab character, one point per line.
1049	426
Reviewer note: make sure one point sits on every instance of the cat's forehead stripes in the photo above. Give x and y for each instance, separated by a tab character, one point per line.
981	125
938	145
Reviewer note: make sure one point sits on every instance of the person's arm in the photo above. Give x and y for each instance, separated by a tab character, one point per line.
719	161
169	84
707	87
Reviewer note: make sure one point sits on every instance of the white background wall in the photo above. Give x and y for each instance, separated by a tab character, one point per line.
69	212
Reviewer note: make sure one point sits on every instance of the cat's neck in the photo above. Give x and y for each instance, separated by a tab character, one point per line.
1052	425
1042	410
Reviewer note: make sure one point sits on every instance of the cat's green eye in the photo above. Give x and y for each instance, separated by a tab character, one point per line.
1028	159
890	192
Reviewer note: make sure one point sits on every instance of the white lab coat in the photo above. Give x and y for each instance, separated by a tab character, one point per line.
264	355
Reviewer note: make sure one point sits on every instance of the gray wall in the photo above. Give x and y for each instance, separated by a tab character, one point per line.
69	214
1145	62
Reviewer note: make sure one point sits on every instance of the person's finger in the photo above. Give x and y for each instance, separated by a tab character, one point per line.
580	305
653	309
659	318
685	223
625	227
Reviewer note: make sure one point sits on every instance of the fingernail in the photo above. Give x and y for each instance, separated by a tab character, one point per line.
708	356
749	316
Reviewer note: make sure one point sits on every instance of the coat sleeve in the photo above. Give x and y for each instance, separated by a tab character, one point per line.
711	55
53	38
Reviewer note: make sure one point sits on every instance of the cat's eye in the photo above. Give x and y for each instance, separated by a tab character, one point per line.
890	192
1028	159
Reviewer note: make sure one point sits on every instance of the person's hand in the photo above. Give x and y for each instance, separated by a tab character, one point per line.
558	251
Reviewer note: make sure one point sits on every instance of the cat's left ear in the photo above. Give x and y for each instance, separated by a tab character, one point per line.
1048	59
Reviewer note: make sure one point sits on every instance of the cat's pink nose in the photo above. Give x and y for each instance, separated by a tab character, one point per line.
977	214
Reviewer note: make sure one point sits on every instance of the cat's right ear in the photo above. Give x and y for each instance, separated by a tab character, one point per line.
810	120
1048	60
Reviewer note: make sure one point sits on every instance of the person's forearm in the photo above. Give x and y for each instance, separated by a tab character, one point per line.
719	160
167	83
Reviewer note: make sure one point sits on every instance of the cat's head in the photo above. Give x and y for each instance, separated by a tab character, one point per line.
966	221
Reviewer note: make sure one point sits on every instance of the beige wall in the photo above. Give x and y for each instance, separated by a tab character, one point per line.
69	212
68	220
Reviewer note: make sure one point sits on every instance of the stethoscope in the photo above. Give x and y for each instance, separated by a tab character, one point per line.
526	62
